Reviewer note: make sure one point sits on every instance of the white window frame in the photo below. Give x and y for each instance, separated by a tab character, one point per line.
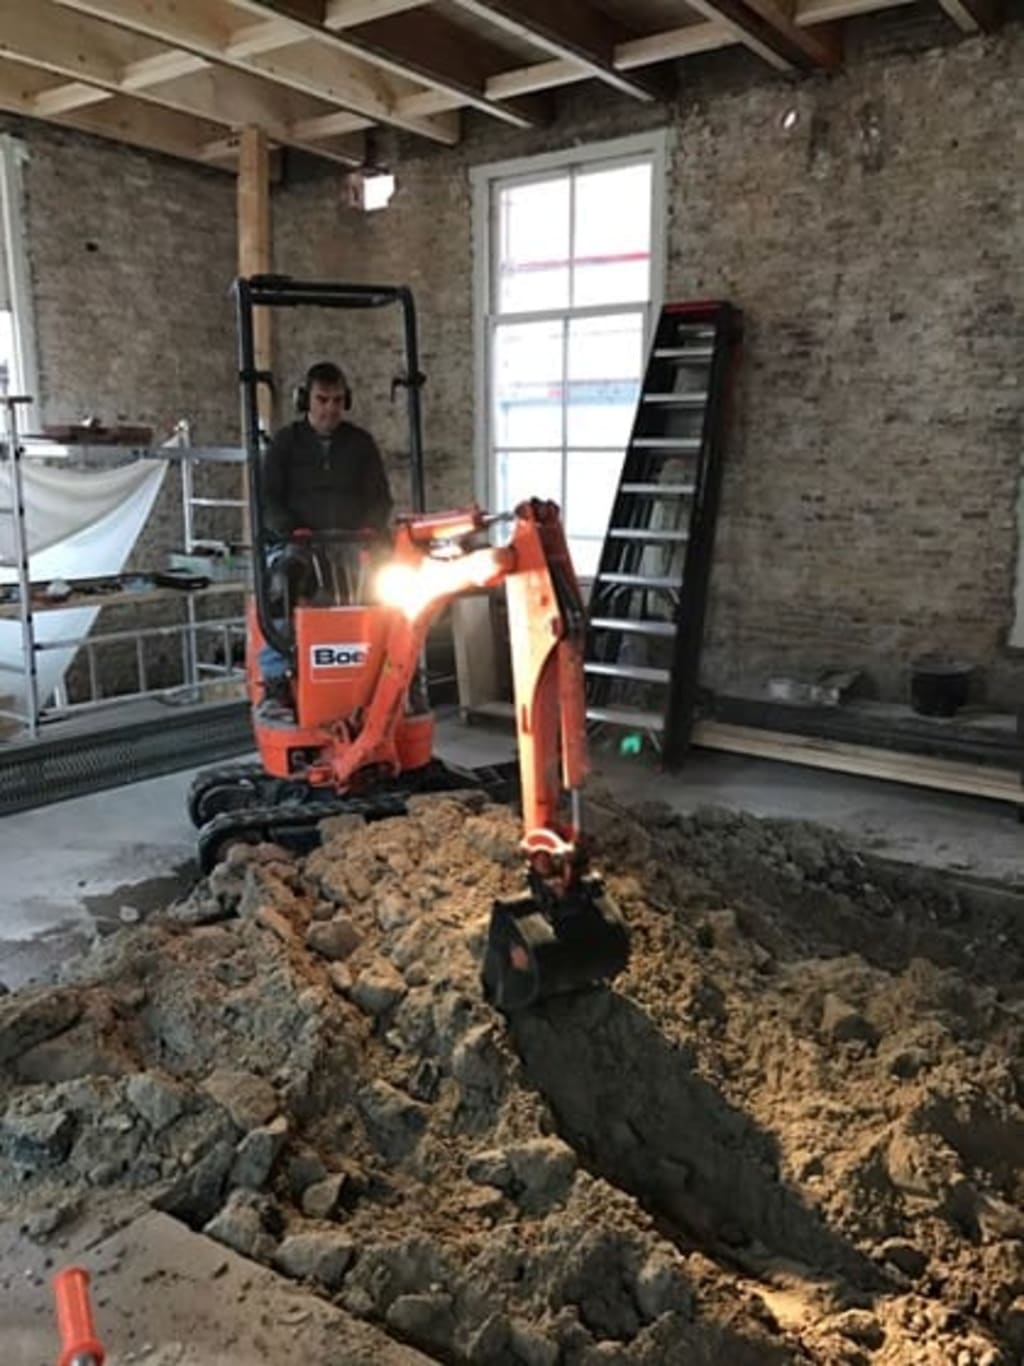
24	380
485	180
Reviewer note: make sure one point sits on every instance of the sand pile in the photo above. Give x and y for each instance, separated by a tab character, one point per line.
794	1132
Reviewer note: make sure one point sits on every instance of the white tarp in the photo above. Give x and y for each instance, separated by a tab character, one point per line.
81	524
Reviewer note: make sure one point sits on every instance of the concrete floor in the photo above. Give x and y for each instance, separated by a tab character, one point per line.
85	866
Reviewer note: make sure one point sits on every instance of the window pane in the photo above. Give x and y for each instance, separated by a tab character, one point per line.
586	556
528	387
612	247
591	480
605	365
533	246
528	474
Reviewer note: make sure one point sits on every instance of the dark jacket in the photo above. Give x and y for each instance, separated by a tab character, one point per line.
342	489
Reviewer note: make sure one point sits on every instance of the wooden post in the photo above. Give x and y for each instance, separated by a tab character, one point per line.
254	258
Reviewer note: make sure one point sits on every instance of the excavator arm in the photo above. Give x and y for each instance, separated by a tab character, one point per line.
565	933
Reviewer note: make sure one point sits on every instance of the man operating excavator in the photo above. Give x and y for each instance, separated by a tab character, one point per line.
321	474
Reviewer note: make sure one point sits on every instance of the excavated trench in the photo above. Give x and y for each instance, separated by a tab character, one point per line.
792	1133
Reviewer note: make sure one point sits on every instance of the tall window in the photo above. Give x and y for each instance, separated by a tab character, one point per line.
572	255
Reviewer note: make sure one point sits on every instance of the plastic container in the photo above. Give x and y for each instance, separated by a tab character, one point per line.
939	687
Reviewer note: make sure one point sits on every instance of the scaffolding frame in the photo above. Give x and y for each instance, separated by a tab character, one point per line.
198	675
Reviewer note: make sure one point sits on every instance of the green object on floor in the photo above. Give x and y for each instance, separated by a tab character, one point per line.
631	744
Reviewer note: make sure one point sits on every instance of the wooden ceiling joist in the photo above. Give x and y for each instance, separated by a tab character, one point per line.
974	16
306	66
411	45
186	76
570	32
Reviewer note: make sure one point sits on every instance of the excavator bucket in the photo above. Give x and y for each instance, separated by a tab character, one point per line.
539	947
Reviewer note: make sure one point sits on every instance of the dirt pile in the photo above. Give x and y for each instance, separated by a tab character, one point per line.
793	1133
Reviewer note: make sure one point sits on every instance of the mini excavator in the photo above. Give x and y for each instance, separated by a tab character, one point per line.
361	735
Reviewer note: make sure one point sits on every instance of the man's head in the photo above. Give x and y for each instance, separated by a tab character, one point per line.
327	397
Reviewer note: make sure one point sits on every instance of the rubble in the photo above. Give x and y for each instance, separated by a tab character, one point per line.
792	1133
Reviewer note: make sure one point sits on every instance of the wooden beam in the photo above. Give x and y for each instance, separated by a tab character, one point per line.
121	120
568	30
452	61
225	96
920	770
420	47
771	33
973	16
348	13
255	257
333	76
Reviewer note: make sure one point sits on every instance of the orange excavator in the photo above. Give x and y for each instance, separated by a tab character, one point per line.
360	738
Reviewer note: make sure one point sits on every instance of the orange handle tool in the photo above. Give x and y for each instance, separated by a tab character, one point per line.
79	1343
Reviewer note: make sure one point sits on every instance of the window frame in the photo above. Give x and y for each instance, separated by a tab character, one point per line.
25	378
487	181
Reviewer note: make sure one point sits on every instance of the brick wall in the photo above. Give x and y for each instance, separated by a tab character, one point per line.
131	258
869	507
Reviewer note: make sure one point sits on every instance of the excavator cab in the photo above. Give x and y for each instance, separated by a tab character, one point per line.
361	734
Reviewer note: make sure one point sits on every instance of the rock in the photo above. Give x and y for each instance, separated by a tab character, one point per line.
342	827
378	988
318	1256
384	1271
479	1066
256	1154
661	1288
490	1168
341	977
860	1326
490	1340
334	939
248	1099
393	1120
304	1169
29	1017
47	1221
535	1174
323	1199
240	1225
1012	1324
998	1219
195	1196
36	1140
904	1256
275	922
80	1051
426	1319
392	912
841	1023
530	1347
158	1099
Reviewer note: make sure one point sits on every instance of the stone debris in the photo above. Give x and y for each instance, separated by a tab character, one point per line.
792	1133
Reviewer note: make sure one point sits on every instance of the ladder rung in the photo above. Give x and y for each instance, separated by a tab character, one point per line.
638	580
625	533
639	673
635	625
218	502
677	400
667	443
621	716
684	353
7	512
660	490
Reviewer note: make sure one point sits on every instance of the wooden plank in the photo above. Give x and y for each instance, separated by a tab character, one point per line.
917	770
121	119
255	257
567	30
973	16
420	47
329	74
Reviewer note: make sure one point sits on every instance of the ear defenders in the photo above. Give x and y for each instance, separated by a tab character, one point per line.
315	374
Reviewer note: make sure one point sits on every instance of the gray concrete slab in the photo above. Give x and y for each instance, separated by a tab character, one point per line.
165	1296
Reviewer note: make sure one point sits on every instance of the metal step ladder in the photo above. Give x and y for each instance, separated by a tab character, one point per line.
646	614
